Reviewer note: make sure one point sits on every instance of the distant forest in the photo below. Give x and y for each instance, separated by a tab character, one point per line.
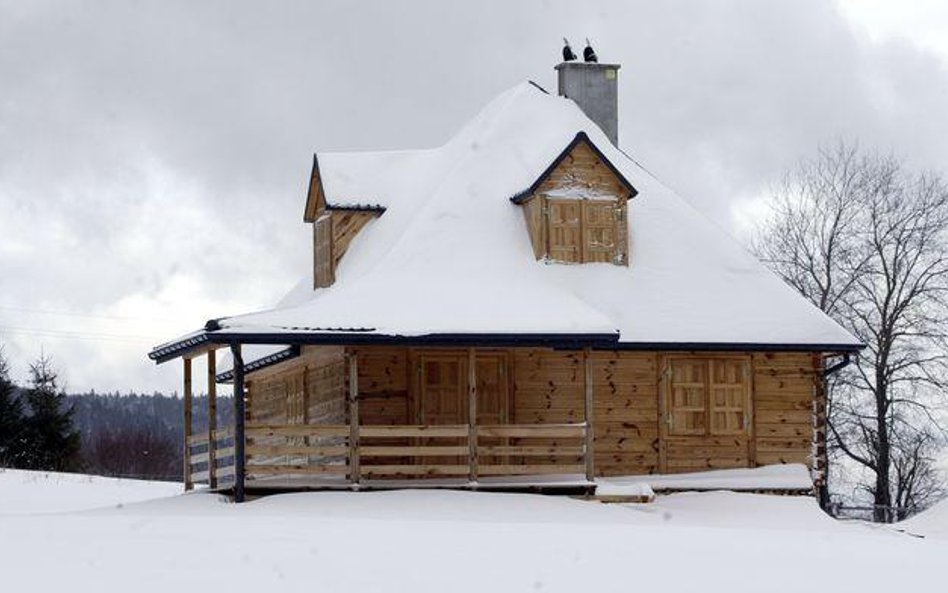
137	435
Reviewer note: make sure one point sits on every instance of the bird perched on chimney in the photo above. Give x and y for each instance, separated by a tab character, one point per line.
568	55
588	54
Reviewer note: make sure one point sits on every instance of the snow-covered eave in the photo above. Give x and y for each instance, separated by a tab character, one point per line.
526	194
317	190
596	341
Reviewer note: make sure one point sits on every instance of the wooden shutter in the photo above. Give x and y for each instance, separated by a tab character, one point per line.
565	234
599	231
729	385
687	407
322	252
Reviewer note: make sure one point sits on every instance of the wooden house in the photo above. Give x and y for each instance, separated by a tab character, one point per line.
523	306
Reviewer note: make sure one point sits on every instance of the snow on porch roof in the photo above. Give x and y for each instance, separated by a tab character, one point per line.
451	255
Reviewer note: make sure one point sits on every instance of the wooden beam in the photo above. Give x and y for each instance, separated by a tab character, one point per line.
590	454
211	417
354	475
472	415
188	397
240	470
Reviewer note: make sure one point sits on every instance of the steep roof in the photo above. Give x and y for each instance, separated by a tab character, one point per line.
452	256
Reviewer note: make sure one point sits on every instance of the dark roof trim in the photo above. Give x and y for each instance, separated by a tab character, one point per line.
543	90
174	350
261	363
561	341
356	207
526	194
738	347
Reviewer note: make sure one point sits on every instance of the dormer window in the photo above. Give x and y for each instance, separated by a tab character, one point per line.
577	211
583	230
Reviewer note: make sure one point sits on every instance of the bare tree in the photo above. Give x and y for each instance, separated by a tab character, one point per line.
865	241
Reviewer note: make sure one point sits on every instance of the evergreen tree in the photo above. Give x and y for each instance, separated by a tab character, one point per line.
12	420
53	442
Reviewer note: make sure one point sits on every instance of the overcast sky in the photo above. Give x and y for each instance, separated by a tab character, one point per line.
154	155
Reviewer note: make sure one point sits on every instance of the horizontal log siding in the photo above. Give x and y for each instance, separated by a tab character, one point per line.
625	393
785	385
547	388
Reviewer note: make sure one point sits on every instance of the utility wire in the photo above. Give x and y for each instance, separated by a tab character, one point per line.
91	336
86	315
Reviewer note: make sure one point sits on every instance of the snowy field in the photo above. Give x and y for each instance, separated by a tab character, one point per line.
75	533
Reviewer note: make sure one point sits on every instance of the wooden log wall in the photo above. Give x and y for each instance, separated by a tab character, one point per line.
306	390
547	387
785	386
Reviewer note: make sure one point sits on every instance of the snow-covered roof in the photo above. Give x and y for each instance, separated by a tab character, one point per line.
452	255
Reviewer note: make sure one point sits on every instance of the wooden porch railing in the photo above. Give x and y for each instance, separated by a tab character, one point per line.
200	450
416	451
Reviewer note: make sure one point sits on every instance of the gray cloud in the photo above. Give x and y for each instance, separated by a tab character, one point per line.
153	155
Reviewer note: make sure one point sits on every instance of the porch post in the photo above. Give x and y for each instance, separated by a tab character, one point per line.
211	418
472	415
588	452
354	471
239	420
188	396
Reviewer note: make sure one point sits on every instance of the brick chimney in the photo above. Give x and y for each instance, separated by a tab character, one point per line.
594	87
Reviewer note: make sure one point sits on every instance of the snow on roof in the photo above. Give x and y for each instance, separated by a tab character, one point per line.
452	255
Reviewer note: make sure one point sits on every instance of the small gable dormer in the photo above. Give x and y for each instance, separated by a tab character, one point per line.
577	210
334	228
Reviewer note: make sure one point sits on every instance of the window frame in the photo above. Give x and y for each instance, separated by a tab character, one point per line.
709	386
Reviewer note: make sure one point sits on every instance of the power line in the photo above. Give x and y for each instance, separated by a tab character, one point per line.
85	315
91	336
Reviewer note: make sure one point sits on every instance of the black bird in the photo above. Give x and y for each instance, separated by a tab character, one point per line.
568	55
588	54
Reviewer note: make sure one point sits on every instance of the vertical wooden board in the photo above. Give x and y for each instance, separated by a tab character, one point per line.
211	417
322	252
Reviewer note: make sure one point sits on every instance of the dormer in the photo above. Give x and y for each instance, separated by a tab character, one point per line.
577	210
334	227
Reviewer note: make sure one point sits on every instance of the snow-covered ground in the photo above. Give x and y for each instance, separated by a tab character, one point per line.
443	541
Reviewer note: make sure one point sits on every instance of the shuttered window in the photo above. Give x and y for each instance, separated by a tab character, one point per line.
708	396
581	231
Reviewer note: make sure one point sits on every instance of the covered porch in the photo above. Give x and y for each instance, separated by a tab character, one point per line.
359	417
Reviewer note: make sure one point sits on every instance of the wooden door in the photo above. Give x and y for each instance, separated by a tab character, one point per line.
492	402
599	231
443	400
566	235
443	389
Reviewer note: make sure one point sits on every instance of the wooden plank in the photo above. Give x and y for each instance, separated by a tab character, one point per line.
200	476
211	415
197	458
472	415
188	398
419	430
282	430
532	430
531	451
315	451
416	470
353	418
273	469
588	416
413	450
514	470
196	439
224	452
